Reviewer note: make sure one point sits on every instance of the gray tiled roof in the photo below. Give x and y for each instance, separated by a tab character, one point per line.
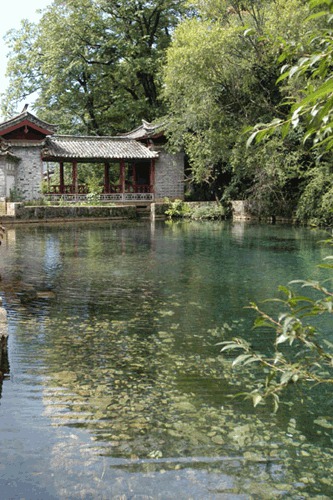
144	131
94	148
25	115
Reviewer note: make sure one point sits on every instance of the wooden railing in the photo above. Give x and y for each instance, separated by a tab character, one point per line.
107	197
113	188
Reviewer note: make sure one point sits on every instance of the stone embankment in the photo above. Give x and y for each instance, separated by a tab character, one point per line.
19	212
241	210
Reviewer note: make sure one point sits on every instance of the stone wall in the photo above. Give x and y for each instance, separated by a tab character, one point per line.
44	213
2	178
7	176
29	173
3	207
241	210
157	210
169	176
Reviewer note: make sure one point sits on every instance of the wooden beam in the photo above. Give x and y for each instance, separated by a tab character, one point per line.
26	123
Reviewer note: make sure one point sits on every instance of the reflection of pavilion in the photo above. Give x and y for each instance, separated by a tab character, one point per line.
135	166
4	364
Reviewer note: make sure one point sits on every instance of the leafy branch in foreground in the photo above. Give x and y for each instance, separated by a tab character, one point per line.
311	108
299	351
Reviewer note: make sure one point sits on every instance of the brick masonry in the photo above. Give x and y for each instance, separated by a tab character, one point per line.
7	176
3	170
169	176
29	171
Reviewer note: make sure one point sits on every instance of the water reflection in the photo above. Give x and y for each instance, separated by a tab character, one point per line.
4	362
113	336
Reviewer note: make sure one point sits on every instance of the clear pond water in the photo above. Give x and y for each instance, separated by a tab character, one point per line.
117	388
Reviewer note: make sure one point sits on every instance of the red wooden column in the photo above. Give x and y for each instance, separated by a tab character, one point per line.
122	176
74	176
134	177
152	176
61	175
106	177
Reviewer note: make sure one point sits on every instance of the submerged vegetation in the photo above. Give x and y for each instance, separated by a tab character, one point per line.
299	350
128	364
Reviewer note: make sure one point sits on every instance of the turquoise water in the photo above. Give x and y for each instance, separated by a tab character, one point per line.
117	387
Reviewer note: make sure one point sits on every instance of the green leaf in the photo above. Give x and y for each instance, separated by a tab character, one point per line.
240	359
316	15
229	345
285	129
257	398
286	377
252	138
282	338
283	77
260	322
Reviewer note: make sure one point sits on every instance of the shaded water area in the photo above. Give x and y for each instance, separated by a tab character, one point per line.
117	387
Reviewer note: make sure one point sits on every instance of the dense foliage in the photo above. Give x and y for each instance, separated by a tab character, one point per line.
195	211
221	77
215	69
93	63
310	99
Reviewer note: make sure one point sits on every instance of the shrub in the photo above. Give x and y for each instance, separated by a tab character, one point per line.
195	211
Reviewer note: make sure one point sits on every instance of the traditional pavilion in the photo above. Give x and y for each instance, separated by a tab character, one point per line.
135	166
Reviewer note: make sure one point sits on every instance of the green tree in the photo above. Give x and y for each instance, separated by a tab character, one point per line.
299	350
307	70
220	77
271	176
307	83
93	63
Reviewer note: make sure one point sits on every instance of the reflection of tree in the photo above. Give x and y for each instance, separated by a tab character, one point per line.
4	363
2	232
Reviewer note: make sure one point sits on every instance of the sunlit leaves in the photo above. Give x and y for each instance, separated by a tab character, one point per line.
312	103
220	77
103	75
